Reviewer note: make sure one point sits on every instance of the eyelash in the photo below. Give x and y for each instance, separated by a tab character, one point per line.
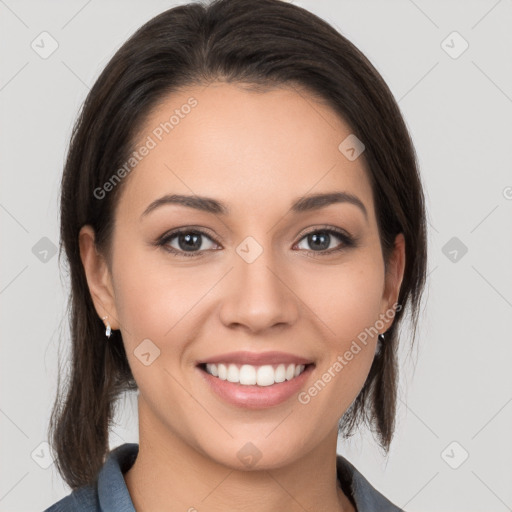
347	241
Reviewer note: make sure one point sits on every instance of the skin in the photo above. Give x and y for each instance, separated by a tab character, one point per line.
256	152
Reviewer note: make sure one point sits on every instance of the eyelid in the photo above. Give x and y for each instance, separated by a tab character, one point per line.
325	227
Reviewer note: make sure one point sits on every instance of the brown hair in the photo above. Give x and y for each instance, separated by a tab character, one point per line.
265	43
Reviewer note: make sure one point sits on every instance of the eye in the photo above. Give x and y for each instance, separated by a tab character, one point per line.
188	242
322	240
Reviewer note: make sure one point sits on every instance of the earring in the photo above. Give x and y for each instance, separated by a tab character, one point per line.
380	341
108	330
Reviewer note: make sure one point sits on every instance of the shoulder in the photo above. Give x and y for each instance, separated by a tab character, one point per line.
365	496
109	491
83	499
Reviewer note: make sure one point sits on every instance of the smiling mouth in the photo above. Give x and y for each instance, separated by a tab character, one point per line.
252	375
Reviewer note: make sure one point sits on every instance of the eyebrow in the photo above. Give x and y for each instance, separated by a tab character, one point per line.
300	205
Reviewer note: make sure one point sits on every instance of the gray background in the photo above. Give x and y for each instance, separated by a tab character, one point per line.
457	387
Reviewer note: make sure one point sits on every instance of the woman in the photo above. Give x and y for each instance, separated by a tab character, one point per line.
244	223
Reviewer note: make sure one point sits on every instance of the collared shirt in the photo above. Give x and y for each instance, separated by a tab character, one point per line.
110	494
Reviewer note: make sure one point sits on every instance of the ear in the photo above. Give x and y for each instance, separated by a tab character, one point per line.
98	276
393	281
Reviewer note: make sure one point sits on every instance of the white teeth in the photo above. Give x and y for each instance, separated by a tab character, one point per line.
213	369
280	374
265	375
249	375
233	373
223	372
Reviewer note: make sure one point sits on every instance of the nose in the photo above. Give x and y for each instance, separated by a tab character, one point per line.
257	295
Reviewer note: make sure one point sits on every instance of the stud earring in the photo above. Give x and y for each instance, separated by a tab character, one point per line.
380	341
108	330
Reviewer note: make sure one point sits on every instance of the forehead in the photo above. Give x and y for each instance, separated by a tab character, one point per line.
249	149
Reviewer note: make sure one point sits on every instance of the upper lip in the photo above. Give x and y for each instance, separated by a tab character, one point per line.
256	358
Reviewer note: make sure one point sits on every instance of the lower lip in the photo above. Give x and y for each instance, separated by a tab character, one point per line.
256	397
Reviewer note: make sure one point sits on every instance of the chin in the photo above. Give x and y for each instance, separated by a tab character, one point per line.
254	454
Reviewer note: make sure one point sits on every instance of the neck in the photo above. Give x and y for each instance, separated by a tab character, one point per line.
172	475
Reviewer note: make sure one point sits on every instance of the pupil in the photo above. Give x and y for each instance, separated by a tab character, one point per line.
314	239
196	244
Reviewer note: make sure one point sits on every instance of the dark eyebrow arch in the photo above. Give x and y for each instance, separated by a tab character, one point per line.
303	204
316	201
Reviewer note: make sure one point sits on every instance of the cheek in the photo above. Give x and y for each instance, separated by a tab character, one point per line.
144	301
347	300
347	314
347	303
156	300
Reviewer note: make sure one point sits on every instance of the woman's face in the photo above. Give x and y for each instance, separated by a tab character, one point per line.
256	275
